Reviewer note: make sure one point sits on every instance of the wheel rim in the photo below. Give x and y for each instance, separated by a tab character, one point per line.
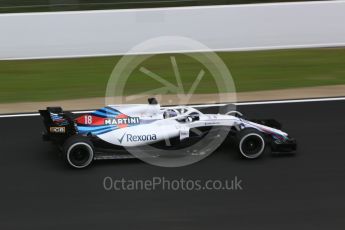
80	155
252	145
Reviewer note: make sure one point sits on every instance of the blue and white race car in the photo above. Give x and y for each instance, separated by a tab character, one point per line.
109	132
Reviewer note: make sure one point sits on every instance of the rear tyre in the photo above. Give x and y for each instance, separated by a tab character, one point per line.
78	152
251	143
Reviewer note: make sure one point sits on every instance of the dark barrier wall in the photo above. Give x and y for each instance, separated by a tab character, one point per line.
16	6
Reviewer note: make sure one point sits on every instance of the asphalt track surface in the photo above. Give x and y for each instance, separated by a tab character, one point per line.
302	191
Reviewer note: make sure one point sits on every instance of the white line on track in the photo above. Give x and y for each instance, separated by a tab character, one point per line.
210	105
240	49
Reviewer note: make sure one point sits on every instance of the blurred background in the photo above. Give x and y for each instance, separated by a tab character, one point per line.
27	84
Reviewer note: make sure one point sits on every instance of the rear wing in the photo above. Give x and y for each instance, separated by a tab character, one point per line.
58	124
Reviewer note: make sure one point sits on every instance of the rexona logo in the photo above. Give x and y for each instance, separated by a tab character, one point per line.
137	138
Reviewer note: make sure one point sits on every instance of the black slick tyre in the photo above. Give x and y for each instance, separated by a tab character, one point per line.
78	152
251	143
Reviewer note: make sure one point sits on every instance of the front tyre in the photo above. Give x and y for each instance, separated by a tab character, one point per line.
78	152
251	143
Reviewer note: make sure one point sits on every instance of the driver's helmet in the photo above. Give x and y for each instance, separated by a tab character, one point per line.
169	113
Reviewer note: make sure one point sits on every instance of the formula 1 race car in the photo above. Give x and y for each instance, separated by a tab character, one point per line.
109	132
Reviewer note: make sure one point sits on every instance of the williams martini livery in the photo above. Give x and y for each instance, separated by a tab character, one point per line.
109	132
